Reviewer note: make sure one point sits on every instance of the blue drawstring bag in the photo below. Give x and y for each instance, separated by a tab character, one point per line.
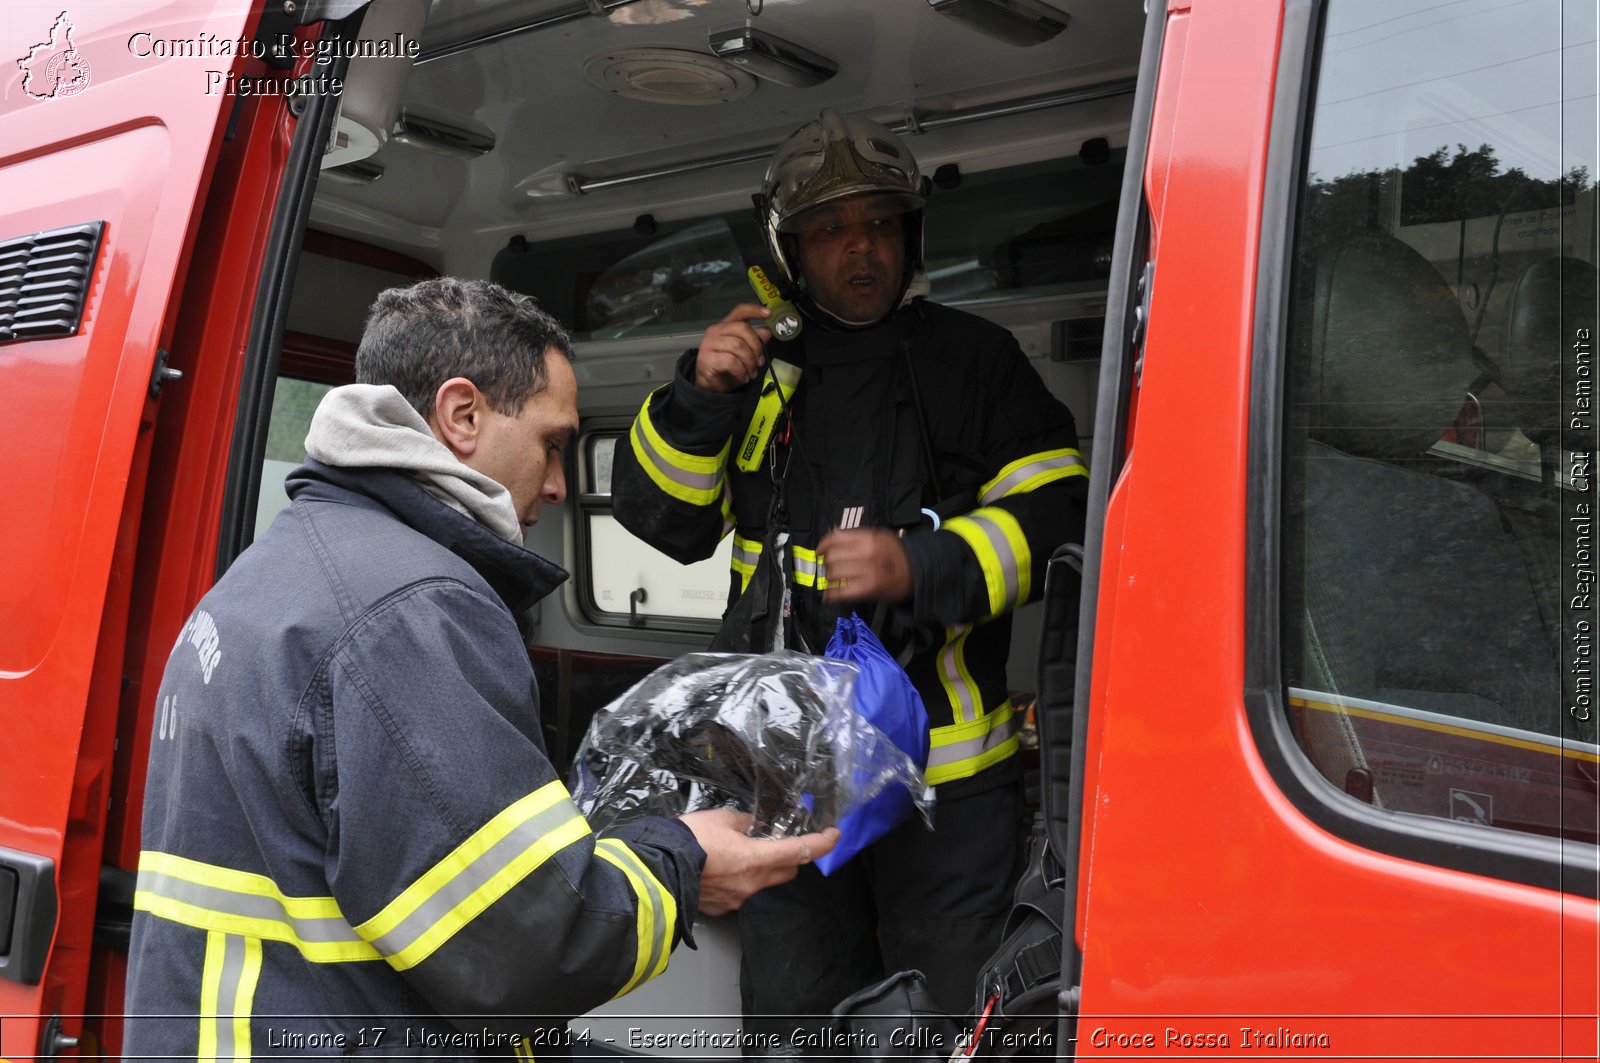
885	698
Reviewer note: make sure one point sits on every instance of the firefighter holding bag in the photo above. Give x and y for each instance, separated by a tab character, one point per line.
892	457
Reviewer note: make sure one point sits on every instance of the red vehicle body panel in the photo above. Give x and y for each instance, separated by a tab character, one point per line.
121	537
1209	903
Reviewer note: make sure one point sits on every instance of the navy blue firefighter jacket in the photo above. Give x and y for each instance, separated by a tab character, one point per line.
351	823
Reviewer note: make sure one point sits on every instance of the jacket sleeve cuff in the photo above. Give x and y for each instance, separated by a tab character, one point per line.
945	579
683	860
695	419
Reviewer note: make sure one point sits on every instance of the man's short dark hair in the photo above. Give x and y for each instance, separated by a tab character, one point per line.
419	336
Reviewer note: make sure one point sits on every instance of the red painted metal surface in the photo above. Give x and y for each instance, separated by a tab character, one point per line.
131	145
122	541
178	536
1210	904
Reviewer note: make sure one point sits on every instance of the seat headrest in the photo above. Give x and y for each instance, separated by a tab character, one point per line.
1551	301
1387	360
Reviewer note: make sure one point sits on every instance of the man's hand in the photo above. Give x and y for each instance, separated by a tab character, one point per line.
730	352
865	564
738	865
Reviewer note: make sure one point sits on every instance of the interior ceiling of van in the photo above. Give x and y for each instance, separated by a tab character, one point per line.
557	86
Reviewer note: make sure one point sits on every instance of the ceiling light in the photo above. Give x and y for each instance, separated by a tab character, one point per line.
446	138
773	58
1019	22
668	75
363	172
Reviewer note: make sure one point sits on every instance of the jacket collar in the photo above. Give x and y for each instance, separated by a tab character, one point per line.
519	576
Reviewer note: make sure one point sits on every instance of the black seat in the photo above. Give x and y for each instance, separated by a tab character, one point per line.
1550	306
1402	586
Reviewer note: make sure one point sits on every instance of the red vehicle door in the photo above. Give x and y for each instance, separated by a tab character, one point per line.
1340	761
108	136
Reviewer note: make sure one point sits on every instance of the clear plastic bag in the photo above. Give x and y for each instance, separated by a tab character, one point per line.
776	735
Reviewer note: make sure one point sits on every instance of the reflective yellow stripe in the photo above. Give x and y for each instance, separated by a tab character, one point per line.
244	1000
746	554
693	478
226	901
210	988
1003	556
810	570
228	979
657	911
960	750
1031	472
966	700
477	873
523	1048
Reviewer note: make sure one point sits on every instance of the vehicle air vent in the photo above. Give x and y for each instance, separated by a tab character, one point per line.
1077	339
44	281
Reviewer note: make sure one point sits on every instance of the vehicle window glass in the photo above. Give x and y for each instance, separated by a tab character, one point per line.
293	403
625	577
1040	229
1438	523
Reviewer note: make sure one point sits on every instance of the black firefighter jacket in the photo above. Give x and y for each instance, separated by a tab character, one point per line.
992	454
351	826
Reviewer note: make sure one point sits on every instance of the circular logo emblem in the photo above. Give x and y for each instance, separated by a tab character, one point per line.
67	74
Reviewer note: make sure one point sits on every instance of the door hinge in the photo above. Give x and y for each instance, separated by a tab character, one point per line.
1141	318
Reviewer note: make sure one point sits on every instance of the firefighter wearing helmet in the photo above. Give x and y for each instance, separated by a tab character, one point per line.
899	460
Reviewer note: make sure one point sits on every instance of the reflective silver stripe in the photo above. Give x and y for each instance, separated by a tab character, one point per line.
662	931
745	552
808	571
658	906
805	566
957	686
743	559
253	906
474	876
1002	553
227	994
1010	481
698	488
228	979
947	755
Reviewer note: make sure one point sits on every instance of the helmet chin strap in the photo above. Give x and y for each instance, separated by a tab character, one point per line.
914	288
830	318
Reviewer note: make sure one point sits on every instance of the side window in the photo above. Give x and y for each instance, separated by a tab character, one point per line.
293	403
1025	231
1439	504
626	580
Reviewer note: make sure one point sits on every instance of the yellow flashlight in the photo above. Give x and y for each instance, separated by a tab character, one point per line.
784	321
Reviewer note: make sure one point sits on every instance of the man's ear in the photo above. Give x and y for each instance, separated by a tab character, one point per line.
458	415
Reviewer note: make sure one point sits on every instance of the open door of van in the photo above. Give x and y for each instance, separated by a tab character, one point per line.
116	122
1337	779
